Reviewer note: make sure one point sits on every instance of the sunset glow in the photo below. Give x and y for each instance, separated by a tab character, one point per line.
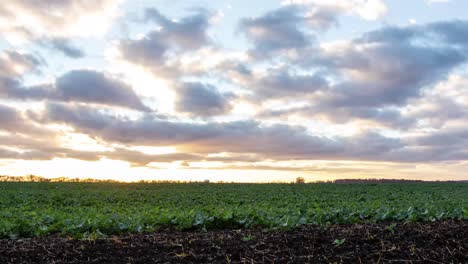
244	91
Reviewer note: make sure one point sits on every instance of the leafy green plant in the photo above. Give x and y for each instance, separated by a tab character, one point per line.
94	210
339	242
248	238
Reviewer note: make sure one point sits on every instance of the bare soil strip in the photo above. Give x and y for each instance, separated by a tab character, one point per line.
436	242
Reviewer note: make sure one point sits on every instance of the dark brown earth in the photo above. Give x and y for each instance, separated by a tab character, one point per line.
438	242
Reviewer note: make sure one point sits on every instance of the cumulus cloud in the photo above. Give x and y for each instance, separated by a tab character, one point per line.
395	91
375	78
87	86
277	30
9	117
296	24
284	84
15	122
443	105
201	99
388	66
188	33
13	66
161	49
375	74
277	141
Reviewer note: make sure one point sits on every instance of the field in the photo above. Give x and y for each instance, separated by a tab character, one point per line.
91	210
99	211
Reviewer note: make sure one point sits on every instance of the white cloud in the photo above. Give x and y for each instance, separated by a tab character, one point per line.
366	9
24	20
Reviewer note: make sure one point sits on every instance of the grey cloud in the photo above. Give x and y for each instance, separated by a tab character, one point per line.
26	155
9	117
448	32
46	147
87	86
13	67
383	70
92	86
283	84
188	33
158	46
445	137
201	99
455	32
373	76
66	47
393	65
11	59
380	117
288	27
374	143
273	141
438	110
13	121
415	67
277	30
149	51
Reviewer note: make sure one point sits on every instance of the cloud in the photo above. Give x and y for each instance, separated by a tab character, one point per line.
199	99
450	31
65	47
9	117
375	74
366	9
86	86
24	155
443	105
15	122
284	84
14	64
277	141
187	33
30	20
369	65
92	86
161	49
392	95
366	79
279	29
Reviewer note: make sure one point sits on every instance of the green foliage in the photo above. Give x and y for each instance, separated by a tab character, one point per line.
248	238
93	210
339	242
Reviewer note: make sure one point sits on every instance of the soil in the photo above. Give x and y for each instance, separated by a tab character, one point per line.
435	242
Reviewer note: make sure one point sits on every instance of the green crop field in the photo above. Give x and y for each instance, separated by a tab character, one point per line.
91	210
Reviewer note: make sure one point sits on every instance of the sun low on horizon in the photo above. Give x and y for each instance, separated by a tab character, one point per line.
234	91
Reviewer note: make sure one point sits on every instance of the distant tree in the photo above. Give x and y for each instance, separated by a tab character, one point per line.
300	180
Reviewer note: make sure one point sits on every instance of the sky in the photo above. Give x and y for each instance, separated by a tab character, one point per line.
244	91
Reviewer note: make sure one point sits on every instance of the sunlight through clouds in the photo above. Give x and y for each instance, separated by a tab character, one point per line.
242	91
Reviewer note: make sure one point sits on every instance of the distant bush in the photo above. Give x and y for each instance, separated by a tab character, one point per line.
300	180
